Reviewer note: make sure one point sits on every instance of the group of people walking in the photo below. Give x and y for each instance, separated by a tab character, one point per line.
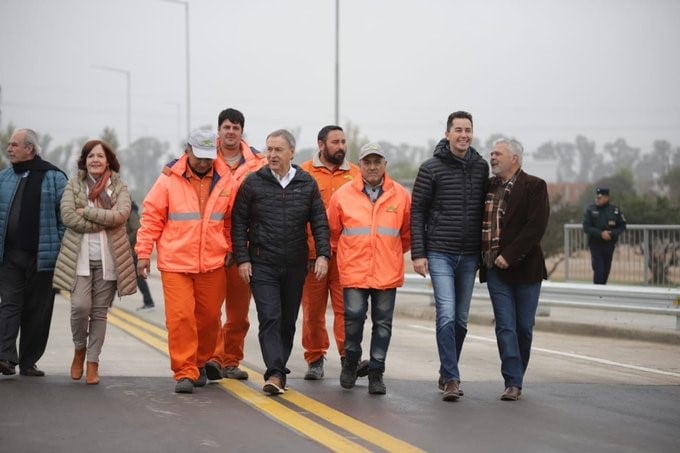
229	223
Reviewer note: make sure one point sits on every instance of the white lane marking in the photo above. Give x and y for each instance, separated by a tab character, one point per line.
569	354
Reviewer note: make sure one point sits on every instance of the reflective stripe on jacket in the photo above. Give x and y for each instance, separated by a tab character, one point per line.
171	218
329	182
371	239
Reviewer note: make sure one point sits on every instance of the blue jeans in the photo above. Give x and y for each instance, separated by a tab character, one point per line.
277	291
382	309
514	307
453	279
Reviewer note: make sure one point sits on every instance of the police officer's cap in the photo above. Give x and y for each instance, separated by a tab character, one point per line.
602	191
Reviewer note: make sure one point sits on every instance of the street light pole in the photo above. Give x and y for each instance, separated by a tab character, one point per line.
188	59
337	61
128	98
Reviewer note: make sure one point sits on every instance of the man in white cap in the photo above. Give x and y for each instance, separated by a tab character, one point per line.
187	214
370	232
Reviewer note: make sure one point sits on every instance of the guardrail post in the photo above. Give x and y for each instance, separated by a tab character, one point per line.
566	253
646	248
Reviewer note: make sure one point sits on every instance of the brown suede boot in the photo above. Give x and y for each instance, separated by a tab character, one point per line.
92	376
77	364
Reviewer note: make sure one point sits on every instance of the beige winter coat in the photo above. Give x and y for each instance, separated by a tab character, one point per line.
95	219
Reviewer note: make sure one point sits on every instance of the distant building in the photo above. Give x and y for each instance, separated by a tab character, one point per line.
570	192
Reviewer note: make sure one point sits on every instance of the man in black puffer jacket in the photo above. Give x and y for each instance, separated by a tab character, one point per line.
446	233
269	236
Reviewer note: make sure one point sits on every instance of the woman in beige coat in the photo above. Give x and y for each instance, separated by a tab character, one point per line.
95	257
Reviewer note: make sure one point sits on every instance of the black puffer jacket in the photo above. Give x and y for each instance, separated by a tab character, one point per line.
448	203
272	220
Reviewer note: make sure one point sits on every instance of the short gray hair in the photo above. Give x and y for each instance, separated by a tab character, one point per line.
513	145
31	138
287	136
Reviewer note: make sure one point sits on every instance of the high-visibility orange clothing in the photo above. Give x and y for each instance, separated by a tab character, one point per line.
250	162
329	182
201	186
192	247
231	336
186	240
371	239
192	316
315	293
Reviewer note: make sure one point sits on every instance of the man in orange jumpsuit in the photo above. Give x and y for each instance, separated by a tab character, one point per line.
241	160
331	170
369	221
187	214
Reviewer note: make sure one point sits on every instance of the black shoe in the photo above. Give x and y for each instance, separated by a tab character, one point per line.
32	371
202	378
362	368
348	375
213	371
184	385
375	383
315	370
7	368
234	372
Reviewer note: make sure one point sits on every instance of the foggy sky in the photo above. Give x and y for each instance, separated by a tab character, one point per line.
537	70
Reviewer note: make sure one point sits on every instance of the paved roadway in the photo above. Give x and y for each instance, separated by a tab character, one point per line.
582	393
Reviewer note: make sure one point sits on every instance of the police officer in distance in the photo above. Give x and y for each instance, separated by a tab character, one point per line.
603	223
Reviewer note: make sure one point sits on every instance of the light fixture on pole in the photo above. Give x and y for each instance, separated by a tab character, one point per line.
337	62
188	59
128	82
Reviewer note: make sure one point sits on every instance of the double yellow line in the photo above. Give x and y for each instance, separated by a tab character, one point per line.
343	439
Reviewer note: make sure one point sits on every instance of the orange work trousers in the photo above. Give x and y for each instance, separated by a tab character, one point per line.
232	335
192	317
314	303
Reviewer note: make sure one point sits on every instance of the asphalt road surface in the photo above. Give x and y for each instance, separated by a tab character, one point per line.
580	394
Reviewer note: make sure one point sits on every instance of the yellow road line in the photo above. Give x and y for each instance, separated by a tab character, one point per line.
132	319
161	345
290	418
339	419
267	404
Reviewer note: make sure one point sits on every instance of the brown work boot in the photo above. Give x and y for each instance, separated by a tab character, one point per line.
511	394
78	364
92	376
451	392
273	386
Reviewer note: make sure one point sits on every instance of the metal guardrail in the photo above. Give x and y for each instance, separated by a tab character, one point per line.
645	254
623	298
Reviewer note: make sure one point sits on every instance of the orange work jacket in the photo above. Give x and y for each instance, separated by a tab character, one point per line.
250	162
185	240
371	239
329	182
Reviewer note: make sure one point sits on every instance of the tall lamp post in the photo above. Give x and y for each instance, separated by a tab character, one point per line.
188	59
337	61
127	80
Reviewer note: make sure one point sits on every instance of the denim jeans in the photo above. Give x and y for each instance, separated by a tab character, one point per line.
514	307
382	309
277	291
453	279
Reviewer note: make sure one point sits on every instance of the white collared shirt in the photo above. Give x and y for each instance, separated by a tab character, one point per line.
285	179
